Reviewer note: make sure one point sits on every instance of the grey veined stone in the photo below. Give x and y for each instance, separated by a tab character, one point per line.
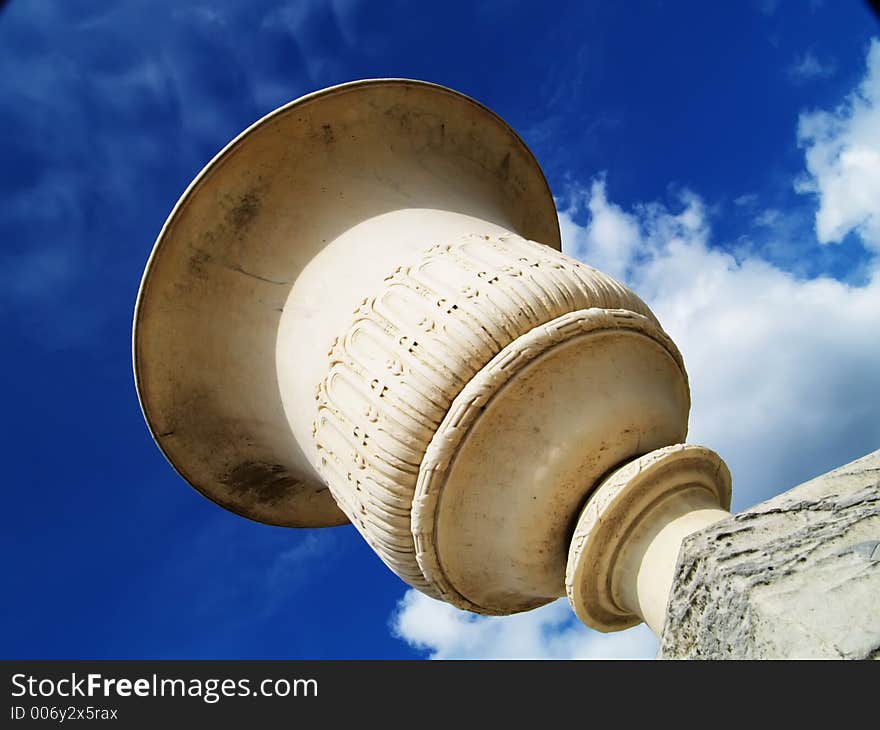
797	576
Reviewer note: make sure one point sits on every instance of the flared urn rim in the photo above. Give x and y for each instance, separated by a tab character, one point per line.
215	284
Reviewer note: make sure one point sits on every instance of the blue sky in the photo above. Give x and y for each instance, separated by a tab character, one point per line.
721	158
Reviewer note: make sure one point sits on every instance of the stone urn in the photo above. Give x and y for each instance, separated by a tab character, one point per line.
359	312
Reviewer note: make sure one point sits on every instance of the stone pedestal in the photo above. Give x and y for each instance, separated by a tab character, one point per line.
795	577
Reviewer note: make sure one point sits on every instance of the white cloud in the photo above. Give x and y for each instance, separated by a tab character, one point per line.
550	632
783	370
612	238
842	150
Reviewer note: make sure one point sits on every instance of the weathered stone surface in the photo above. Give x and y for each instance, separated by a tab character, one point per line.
797	576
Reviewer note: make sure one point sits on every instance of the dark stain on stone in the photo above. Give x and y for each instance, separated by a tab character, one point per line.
328	134
504	167
266	484
197	262
243	212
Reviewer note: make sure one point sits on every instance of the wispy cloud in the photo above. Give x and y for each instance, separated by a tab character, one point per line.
767	7
290	564
279	565
808	67
101	106
746	200
767	217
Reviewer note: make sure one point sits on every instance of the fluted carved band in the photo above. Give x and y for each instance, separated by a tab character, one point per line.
410	351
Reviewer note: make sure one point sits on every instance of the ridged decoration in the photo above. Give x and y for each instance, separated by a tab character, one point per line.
412	348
